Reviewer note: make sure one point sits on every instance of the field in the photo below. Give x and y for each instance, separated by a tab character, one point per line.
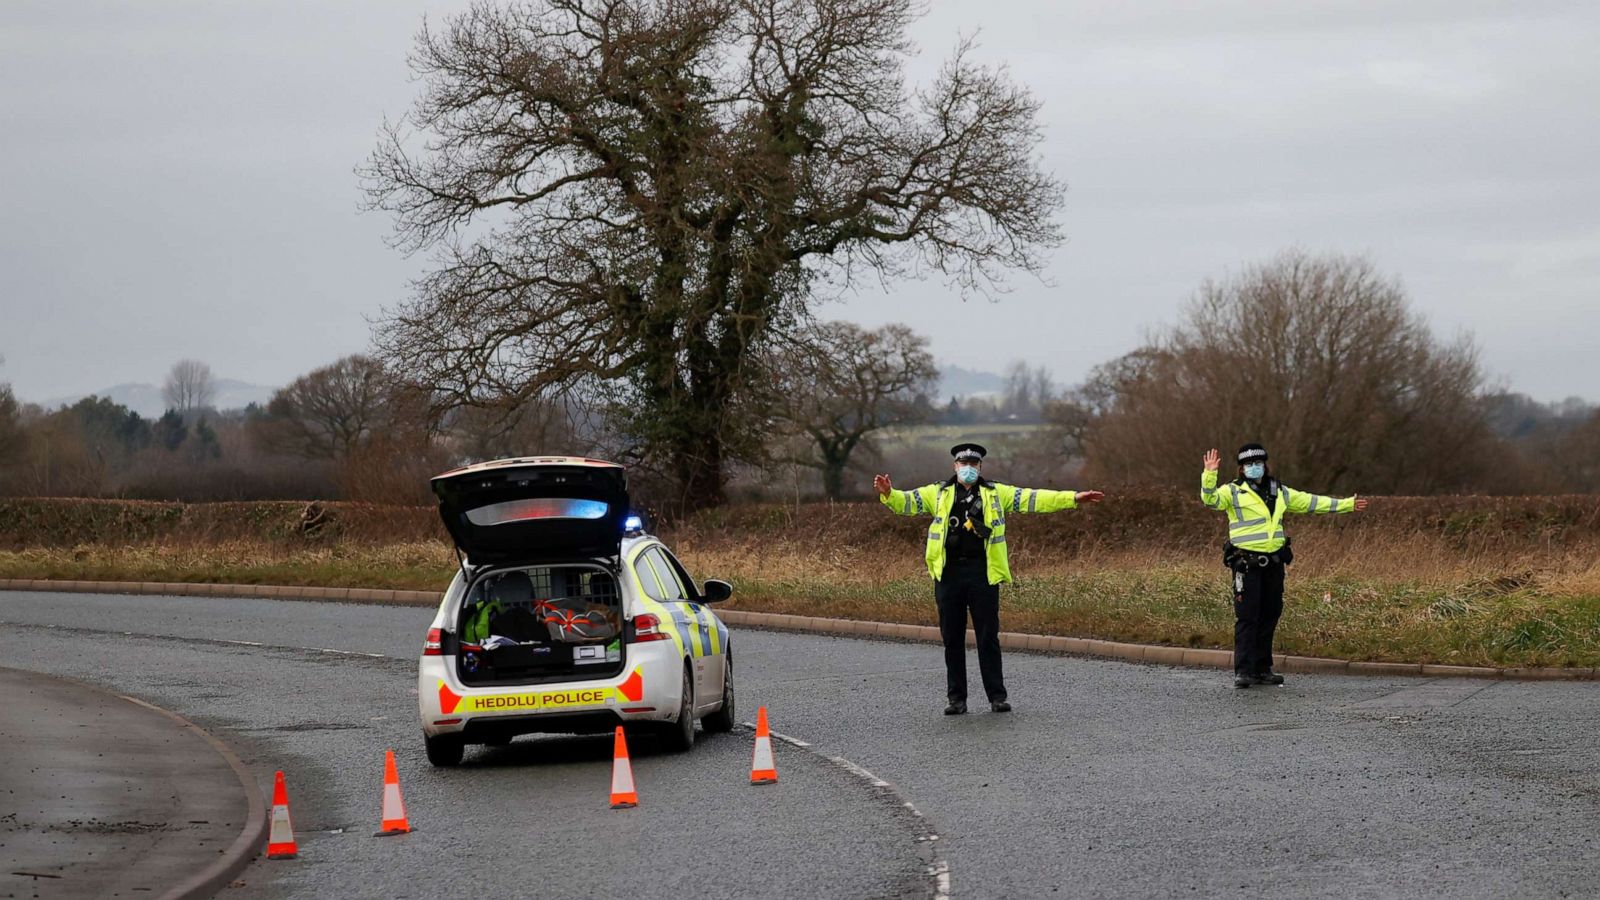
1467	580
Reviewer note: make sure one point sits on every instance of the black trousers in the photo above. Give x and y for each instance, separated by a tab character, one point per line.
964	588
1257	605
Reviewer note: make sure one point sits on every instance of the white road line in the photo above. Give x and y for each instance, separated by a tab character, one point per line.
228	641
786	739
862	774
938	869
350	653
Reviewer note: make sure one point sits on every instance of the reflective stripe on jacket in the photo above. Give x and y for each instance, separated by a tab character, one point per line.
1251	526
999	500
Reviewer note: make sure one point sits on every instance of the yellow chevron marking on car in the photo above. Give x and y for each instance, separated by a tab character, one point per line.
630	691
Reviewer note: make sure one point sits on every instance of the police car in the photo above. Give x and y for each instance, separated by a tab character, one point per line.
565	616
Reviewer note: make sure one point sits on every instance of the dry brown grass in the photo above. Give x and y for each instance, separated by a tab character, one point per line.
1495	582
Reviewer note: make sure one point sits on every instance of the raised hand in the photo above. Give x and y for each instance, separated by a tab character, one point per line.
1212	460
1361	503
882	485
1090	496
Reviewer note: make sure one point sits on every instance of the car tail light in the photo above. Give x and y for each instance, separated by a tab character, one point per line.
647	627
433	645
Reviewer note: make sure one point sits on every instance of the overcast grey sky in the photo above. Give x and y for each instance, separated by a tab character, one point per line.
175	177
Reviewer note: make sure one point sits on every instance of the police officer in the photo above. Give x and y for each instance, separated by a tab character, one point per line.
1257	551
966	555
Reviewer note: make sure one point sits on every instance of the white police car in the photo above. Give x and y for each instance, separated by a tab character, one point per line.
565	617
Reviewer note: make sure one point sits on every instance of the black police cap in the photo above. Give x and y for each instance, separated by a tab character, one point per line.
960	451
1251	452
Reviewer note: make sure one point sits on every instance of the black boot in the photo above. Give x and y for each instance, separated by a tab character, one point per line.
1269	677
1000	706
956	708
1242	680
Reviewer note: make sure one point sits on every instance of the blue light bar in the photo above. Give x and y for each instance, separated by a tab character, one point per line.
633	523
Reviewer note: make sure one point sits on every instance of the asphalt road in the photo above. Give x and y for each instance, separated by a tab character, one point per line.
100	797
1110	779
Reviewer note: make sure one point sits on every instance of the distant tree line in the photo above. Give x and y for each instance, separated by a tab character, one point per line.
1321	359
1318	357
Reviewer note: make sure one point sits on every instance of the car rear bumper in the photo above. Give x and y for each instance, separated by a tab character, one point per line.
485	729
647	689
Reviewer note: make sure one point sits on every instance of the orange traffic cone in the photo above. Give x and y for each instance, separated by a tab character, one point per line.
762	768
280	841
623	795
394	809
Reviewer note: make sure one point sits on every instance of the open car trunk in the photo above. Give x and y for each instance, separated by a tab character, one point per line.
540	624
534	510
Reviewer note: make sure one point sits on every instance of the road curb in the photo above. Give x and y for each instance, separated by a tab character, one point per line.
252	836
1201	657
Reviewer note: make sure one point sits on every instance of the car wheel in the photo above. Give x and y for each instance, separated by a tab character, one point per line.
722	721
678	735
445	750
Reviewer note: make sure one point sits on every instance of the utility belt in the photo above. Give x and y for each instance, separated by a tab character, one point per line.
1240	560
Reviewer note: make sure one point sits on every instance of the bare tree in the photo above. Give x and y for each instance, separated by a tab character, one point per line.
189	386
1576	456
13	440
328	412
664	181
1028	390
840	383
537	428
1319	358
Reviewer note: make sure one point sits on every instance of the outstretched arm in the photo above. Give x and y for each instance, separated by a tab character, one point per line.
1039	500
905	503
1302	502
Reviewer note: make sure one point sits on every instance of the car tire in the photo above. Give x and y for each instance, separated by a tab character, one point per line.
677	736
445	750
722	721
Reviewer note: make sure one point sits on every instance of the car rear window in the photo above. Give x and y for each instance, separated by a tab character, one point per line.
537	508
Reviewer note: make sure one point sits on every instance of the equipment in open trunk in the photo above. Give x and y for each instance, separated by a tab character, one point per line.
530	625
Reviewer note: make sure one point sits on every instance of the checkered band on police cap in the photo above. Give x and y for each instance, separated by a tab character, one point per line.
1251	453
969	451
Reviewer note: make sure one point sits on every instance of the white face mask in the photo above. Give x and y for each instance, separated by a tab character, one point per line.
967	474
1254	471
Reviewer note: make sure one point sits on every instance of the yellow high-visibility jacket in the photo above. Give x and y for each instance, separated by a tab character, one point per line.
1250	525
939	498
476	629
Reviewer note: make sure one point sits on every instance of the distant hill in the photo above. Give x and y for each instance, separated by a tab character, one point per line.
955	381
145	399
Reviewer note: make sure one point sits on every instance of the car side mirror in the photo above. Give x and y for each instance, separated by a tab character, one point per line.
716	591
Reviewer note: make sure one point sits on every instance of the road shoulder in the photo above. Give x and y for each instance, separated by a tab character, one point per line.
107	793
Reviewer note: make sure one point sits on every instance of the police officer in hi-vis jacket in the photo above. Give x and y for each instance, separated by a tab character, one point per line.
966	555
1257	551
